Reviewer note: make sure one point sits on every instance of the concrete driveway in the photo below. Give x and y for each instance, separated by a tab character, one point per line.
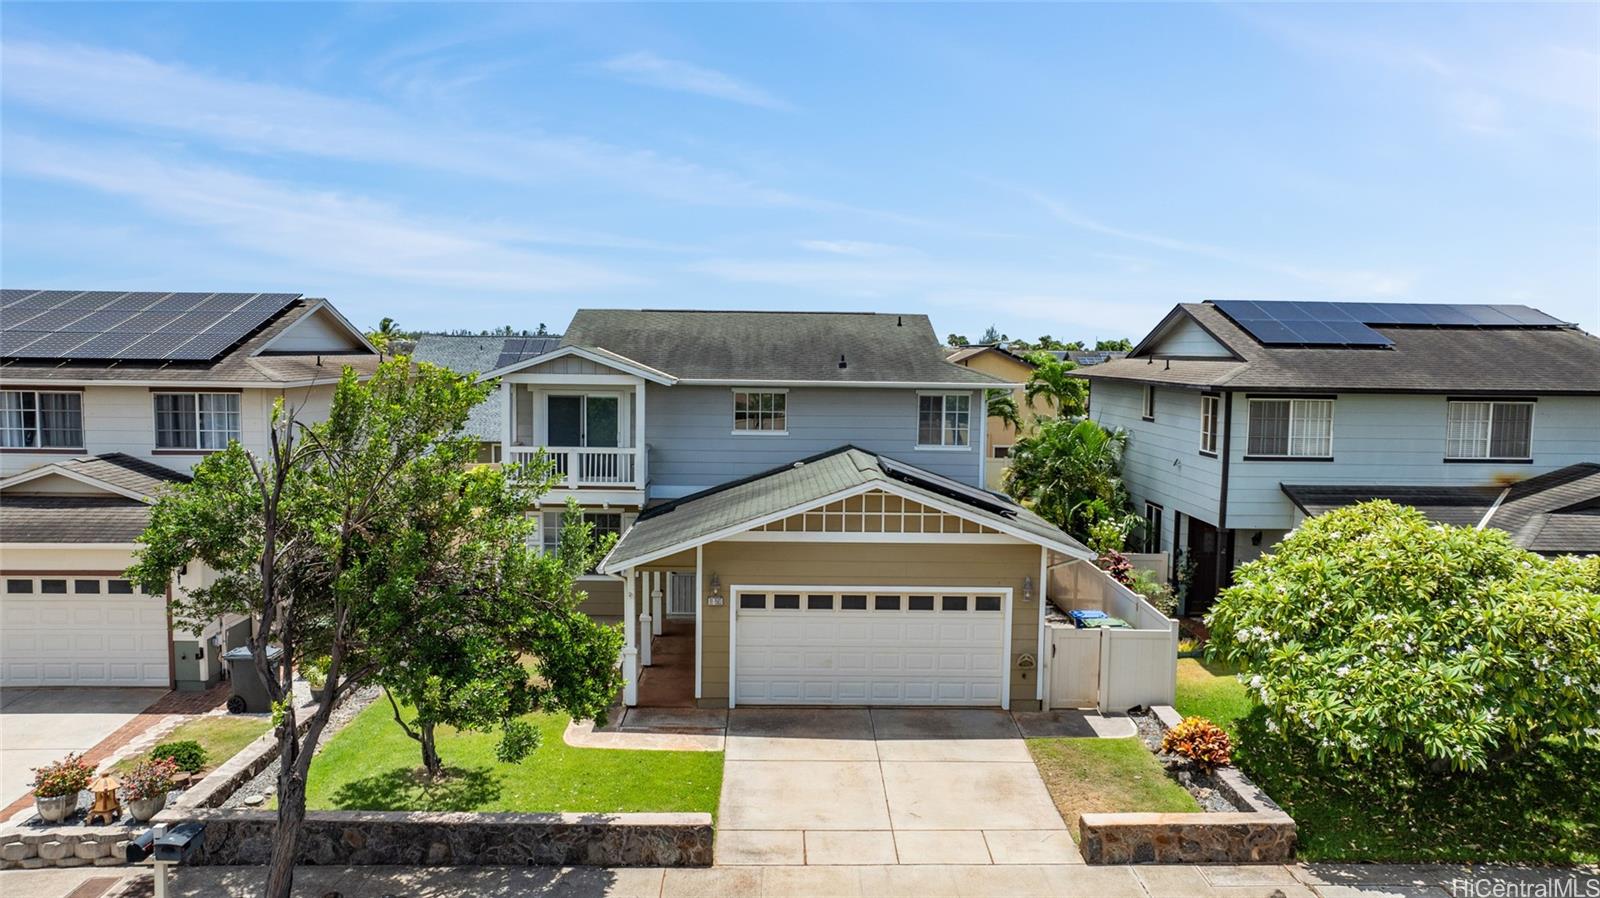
40	725
892	786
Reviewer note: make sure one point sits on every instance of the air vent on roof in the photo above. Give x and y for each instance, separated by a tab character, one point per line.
841	361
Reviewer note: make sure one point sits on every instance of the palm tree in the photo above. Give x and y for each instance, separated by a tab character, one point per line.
1051	379
386	333
1070	472
1003	405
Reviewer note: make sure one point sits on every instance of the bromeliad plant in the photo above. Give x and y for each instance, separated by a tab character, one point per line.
1379	644
1201	741
68	776
150	778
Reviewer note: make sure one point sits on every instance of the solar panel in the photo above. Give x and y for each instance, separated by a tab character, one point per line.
944	486
132	326
517	349
1283	323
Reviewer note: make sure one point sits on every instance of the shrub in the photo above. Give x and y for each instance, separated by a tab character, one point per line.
68	776
1118	566
189	755
1201	741
1158	594
149	778
1108	535
315	670
1383	645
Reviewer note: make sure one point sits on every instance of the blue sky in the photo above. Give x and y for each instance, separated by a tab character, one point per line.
1072	170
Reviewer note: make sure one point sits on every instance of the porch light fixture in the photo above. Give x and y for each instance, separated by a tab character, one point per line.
715	598
1027	589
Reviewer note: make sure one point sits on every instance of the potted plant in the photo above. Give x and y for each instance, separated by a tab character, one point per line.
56	787
146	787
315	670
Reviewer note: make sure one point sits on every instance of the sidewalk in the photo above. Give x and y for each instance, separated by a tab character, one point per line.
933	881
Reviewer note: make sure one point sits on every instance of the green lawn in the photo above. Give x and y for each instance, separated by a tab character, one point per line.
373	765
1540	808
1088	776
221	737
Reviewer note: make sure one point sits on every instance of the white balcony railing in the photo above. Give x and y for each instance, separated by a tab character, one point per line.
579	467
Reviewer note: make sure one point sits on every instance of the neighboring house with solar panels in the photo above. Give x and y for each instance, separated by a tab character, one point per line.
800	501
1244	417
106	398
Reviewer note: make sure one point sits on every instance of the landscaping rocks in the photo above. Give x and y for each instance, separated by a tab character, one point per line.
72	846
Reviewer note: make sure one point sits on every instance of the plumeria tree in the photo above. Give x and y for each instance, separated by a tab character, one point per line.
1380	643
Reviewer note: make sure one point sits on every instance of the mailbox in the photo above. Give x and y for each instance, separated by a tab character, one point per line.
179	843
140	847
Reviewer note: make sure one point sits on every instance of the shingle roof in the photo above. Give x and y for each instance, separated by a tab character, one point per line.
692	519
774	346
1552	514
469	355
241	366
1423	359
71	519
125	471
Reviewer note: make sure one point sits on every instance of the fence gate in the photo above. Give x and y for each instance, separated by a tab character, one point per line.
1074	668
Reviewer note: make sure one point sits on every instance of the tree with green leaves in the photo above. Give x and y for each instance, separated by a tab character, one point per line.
1069	471
1121	344
957	340
1051	378
308	540
992	336
388	331
1003	405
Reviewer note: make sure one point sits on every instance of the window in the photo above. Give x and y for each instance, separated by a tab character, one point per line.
884	603
1489	430
119	587
944	420
919	603
987	603
1152	527
1290	428
789	602
853	603
1210	423
33	419
550	527
954	603
1149	402
201	421
760	412
1002	452
819	603
53	587
86	586
752	600
19	586
488	453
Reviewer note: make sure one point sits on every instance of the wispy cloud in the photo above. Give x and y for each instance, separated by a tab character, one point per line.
858	248
313	229
650	70
129	89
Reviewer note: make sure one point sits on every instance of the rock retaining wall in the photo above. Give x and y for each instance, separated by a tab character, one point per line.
236	836
1260	834
78	846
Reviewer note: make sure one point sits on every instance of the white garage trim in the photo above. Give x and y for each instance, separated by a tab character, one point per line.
734	593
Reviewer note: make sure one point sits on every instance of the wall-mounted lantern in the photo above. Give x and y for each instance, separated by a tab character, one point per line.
715	598
1027	589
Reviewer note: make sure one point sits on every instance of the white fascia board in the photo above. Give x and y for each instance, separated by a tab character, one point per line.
609	359
320	305
58	469
74	545
849	384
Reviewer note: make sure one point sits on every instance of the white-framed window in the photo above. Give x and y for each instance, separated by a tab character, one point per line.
550	527
201	421
1210	423
944	420
1002	451
1152	527
1149	412
1485	429
761	411
1290	428
41	419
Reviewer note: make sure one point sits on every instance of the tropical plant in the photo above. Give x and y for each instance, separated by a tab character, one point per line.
1383	645
150	778
957	340
1158	594
1117	565
305	539
1003	405
1050	378
1201	741
315	670
992	336
189	755
1121	344
388	331
1069	470
68	776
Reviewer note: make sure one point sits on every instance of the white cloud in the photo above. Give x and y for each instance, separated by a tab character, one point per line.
860	248
651	70
312	229
128	89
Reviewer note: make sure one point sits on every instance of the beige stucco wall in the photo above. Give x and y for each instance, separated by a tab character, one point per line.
997	432
850	564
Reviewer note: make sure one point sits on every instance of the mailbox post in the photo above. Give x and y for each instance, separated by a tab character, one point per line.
163	847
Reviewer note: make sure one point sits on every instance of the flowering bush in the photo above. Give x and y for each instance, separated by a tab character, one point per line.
1118	566
1201	741
68	776
1377	641
150	778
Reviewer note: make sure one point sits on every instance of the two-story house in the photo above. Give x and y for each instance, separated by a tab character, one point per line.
1002	435
1244	417
105	399
799	496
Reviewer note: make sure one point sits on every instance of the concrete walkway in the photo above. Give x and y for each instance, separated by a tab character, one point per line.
957	881
40	725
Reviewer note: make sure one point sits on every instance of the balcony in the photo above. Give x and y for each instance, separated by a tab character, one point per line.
587	467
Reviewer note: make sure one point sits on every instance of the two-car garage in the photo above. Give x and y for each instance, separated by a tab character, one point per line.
81	630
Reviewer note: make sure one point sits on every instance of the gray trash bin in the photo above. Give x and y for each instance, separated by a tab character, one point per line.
249	693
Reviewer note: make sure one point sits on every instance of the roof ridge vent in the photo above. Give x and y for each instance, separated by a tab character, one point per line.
842	362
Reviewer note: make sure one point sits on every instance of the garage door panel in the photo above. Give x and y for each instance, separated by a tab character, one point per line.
83	639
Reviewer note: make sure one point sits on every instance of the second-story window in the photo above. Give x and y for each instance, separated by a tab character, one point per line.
1149	410
760	411
1290	428
200	421
1210	423
944	420
1489	430
604	522
40	419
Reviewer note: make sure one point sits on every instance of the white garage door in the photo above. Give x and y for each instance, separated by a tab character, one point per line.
81	631
868	647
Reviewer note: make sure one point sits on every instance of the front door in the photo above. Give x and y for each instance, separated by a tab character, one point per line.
1203	582
680	595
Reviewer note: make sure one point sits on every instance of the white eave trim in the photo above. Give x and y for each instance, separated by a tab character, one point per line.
63	471
608	359
320	305
70	545
45	383
897	384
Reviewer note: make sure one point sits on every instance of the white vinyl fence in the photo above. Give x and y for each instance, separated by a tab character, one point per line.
1112	670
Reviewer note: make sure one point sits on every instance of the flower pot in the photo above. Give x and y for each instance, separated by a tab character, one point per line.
55	808
143	809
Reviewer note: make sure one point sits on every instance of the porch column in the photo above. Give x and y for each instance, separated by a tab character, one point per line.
657	602
646	630
641	457
630	652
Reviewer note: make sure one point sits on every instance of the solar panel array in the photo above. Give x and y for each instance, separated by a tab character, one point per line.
944	486
518	348
61	325
1279	323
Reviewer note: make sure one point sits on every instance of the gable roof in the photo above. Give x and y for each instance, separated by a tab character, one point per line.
469	355
113	472
775	347
957	355
742	504
117	513
1426	359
